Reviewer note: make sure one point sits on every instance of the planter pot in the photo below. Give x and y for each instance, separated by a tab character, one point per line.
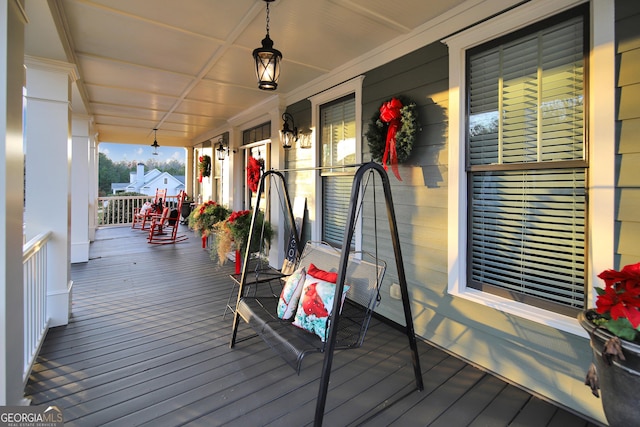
620	381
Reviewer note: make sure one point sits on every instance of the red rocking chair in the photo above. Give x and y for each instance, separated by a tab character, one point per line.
164	228
143	216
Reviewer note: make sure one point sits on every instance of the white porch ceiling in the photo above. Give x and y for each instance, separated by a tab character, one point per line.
185	66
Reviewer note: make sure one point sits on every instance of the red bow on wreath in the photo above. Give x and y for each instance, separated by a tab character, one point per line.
390	113
253	173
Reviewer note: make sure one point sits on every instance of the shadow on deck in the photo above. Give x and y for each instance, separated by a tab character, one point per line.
148	345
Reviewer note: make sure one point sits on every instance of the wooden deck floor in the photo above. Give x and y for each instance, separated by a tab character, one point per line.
148	345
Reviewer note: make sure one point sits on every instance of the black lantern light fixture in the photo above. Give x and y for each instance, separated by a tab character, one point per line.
289	135
155	144
222	151
267	61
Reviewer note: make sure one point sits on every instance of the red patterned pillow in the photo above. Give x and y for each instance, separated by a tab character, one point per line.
316	303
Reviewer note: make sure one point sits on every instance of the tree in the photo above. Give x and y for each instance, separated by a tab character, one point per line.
110	172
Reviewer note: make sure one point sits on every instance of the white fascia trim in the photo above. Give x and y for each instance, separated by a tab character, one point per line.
601	126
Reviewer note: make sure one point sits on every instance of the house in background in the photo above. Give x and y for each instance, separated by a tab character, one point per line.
147	183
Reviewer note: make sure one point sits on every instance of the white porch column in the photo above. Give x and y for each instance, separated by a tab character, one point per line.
235	174
277	252
92	179
80	188
48	182
12	23
189	173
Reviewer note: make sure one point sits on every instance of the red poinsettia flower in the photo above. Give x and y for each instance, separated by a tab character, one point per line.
621	296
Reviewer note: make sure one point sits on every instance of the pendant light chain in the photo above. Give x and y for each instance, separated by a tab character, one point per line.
267	18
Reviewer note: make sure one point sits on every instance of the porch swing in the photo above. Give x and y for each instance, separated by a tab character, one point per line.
357	277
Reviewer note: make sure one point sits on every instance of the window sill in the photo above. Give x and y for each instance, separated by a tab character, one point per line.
534	314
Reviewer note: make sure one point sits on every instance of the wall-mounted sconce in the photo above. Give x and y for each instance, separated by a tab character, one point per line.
288	135
305	140
267	61
223	150
155	144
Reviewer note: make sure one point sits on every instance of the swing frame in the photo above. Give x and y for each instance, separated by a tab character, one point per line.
330	344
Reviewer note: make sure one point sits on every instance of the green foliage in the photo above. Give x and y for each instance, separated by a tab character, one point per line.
622	328
233	233
110	172
205	216
240	230
405	137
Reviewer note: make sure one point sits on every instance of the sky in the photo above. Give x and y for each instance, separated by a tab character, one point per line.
140	153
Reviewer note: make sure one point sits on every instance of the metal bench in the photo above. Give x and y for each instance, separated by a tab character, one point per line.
292	343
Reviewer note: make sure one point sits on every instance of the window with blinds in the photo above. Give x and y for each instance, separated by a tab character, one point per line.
526	164
338	145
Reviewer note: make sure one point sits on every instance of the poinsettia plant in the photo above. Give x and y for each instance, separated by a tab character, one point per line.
618	303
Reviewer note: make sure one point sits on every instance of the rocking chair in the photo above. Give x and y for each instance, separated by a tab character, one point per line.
143	217
164	228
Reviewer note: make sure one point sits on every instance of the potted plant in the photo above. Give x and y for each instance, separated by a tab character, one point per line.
205	216
614	329
233	234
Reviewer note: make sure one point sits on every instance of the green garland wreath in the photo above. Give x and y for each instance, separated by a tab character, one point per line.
205	165
405	137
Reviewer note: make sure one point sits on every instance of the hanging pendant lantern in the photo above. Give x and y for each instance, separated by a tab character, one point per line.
267	61
155	144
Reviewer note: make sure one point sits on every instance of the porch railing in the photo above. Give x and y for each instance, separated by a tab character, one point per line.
119	210
36	322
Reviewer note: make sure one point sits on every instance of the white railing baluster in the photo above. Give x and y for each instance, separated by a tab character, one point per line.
36	322
118	210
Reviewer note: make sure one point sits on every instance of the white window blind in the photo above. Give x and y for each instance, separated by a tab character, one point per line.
338	137
528	233
526	165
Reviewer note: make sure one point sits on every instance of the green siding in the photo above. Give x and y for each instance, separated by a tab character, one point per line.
628	115
534	356
420	200
527	353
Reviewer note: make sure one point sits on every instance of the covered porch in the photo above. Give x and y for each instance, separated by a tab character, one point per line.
148	344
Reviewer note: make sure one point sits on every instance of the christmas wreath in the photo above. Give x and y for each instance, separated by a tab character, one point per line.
254	167
392	132
204	166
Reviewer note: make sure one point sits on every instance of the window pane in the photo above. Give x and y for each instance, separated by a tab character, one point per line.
338	137
527	232
525	106
338	133
336	197
536	83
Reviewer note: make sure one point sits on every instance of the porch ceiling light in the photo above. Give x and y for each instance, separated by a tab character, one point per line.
288	135
155	144
267	61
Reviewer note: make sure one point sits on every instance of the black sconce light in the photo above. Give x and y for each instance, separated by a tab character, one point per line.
155	144
222	151
288	135
267	61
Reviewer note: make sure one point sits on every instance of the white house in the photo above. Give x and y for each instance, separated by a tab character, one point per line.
147	183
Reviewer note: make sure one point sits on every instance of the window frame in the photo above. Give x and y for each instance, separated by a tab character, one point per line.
353	86
600	116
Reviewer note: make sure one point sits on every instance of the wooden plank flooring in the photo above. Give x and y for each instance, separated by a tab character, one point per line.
148	345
